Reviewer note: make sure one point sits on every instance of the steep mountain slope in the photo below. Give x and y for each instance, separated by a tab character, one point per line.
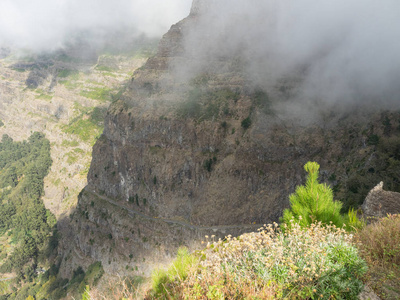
211	152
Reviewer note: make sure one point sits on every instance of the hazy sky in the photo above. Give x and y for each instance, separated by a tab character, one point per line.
46	24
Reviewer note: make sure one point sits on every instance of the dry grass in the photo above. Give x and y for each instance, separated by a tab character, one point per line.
118	289
380	241
379	245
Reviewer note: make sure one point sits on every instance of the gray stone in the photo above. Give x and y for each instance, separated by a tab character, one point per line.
379	203
199	6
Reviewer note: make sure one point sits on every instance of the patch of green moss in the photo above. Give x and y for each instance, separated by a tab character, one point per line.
97	93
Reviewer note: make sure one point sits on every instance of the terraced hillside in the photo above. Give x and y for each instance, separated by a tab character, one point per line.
64	96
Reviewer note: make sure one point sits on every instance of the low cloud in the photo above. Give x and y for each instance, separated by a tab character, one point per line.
46	25
343	50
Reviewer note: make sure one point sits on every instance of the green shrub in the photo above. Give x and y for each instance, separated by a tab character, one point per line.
373	139
352	221
178	271
208	163
246	123
313	202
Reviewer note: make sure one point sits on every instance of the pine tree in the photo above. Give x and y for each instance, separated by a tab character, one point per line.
313	202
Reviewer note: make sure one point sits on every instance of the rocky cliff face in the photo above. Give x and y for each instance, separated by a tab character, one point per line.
183	156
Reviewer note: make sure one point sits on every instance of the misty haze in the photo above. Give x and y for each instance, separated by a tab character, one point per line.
199	149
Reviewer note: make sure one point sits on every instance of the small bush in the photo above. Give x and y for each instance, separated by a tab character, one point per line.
208	163
353	222
246	123
163	280
373	139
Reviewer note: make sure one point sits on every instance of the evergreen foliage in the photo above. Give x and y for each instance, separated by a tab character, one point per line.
23	216
313	202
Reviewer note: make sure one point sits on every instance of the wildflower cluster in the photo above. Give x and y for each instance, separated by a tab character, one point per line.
317	262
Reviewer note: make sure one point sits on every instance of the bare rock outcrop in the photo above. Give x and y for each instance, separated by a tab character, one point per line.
379	203
368	294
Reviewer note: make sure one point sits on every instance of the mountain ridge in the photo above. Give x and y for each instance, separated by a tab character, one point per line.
210	149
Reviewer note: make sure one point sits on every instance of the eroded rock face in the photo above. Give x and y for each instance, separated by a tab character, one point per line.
379	203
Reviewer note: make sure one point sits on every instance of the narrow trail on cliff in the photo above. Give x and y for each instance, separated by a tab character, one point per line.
173	222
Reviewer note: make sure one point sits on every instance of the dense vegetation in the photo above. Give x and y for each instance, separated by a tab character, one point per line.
27	228
50	286
24	220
